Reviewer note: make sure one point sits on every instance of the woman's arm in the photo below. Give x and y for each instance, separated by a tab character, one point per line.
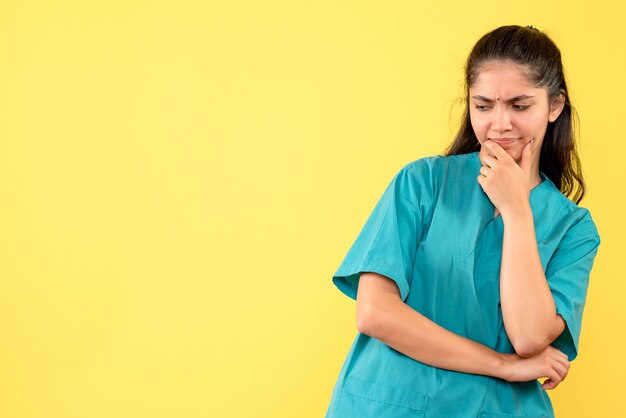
381	314
528	308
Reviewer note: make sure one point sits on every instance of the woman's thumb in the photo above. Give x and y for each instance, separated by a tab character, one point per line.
526	160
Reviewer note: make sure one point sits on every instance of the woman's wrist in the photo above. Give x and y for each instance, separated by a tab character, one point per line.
503	367
517	213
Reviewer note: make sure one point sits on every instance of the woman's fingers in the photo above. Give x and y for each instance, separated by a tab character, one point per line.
553	380
561	370
484	170
488	160
495	149
561	363
549	385
564	369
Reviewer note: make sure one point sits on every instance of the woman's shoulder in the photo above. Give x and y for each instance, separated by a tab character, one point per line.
581	223
441	159
430	174
438	163
576	218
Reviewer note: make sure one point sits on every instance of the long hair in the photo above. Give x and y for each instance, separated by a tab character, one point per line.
527	46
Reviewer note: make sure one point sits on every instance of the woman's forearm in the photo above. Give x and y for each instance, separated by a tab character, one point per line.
404	329
528	308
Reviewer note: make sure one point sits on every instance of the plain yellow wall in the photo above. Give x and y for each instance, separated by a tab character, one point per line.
179	181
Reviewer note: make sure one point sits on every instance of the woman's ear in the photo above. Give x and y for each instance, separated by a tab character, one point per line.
556	106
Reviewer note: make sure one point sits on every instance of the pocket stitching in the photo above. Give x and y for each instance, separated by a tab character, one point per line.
419	412
488	414
361	394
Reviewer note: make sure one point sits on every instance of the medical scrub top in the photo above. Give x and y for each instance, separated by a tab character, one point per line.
433	232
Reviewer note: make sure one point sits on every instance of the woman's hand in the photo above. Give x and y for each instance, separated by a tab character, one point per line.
551	363
506	183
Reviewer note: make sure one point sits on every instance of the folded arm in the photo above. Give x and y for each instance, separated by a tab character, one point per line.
383	315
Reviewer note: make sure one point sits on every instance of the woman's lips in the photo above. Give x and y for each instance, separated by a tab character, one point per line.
504	141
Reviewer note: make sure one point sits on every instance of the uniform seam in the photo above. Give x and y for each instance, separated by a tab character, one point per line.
425	396
345	392
453	192
541	240
579	238
424	226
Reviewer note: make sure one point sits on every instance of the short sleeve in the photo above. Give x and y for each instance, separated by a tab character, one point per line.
388	241
568	274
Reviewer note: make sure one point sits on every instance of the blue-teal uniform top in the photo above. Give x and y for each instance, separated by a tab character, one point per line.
434	233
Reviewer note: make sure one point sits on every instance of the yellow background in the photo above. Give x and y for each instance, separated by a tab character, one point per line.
179	180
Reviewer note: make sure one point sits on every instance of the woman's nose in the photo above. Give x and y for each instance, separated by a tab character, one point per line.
501	120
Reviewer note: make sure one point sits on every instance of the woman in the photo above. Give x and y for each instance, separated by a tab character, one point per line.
471	273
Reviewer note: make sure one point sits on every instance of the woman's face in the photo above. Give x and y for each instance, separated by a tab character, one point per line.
507	108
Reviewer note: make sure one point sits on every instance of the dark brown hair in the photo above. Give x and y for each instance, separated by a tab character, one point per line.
533	49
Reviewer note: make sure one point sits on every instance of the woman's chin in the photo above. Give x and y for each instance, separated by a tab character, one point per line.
517	157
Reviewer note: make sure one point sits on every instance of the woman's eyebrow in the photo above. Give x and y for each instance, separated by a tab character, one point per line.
512	99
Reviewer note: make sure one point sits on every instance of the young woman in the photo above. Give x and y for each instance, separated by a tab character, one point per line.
471	272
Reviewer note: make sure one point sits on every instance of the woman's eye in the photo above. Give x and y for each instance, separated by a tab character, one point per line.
520	107
480	107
